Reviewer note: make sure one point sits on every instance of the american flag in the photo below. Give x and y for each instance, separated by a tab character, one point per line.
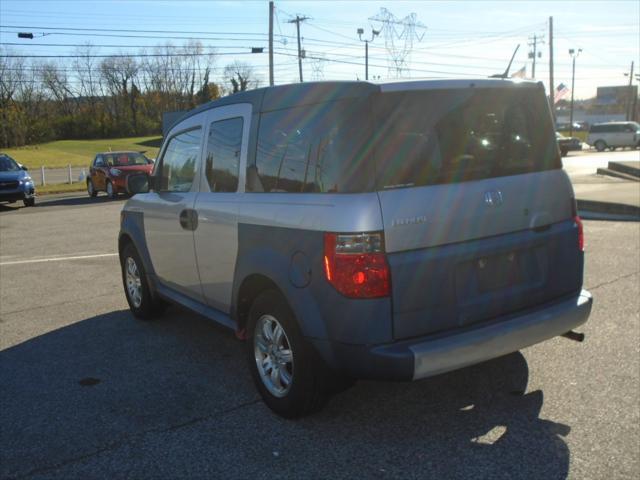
561	92
522	73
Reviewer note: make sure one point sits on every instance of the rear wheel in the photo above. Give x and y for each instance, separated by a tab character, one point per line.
142	302
600	145
91	189
290	376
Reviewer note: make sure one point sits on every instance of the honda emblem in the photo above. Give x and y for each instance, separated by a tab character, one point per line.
493	198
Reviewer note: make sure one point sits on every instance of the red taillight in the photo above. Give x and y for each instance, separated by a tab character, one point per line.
355	264
578	222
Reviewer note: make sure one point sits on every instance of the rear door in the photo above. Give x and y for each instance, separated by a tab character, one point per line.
222	181
477	212
169	219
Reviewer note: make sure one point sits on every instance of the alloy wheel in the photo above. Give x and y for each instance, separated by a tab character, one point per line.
134	283
273	355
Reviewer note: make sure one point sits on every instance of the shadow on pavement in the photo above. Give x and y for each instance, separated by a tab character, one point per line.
8	207
79	200
110	395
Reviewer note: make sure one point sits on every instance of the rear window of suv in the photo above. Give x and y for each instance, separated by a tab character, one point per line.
455	135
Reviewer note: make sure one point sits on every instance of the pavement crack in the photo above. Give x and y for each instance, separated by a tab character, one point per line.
604	284
207	417
117	444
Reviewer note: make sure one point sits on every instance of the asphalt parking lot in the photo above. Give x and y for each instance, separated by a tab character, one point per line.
86	391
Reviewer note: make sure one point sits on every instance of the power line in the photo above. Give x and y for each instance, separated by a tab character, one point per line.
120	55
92	45
78	29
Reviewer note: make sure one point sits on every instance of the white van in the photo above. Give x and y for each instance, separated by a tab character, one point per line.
613	135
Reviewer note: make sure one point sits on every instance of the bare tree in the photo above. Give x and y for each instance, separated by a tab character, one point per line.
120	76
11	75
241	76
54	79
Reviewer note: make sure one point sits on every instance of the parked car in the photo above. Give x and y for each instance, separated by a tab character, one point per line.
109	171
613	135
15	182
349	230
567	144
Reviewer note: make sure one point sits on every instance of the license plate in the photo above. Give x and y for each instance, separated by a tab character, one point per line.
498	271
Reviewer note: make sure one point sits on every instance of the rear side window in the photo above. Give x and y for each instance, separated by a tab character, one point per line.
604	129
223	155
180	161
319	148
451	136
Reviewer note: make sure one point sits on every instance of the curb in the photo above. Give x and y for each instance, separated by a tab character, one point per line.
593	210
614	173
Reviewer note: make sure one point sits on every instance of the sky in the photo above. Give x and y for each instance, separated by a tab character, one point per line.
453	39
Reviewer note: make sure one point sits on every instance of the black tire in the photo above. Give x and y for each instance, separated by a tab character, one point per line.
29	202
600	145
310	379
150	305
91	190
564	152
111	191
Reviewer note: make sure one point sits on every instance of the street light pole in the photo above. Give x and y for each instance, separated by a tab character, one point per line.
366	49
573	54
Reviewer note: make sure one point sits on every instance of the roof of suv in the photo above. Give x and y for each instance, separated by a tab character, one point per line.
295	94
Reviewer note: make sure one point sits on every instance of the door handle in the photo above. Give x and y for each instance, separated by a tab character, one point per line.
189	219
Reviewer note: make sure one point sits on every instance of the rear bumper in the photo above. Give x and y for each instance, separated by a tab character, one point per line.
427	356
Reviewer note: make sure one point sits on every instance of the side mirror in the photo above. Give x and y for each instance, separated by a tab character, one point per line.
138	183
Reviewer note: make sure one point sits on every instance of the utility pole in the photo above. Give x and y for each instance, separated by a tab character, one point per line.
534	54
552	88
297	21
374	33
271	44
630	105
574	55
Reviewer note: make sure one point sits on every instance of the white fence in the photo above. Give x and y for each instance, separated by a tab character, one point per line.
48	176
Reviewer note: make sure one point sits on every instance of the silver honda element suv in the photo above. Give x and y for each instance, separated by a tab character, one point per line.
348	230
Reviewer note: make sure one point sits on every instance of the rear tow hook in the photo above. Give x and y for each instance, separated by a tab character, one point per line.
571	335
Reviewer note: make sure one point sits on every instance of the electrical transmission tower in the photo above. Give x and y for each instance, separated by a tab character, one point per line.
399	36
317	66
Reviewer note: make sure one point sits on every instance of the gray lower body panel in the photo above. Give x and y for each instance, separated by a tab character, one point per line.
430	355
497	339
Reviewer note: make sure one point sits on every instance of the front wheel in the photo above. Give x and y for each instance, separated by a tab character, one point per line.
91	190
288	373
